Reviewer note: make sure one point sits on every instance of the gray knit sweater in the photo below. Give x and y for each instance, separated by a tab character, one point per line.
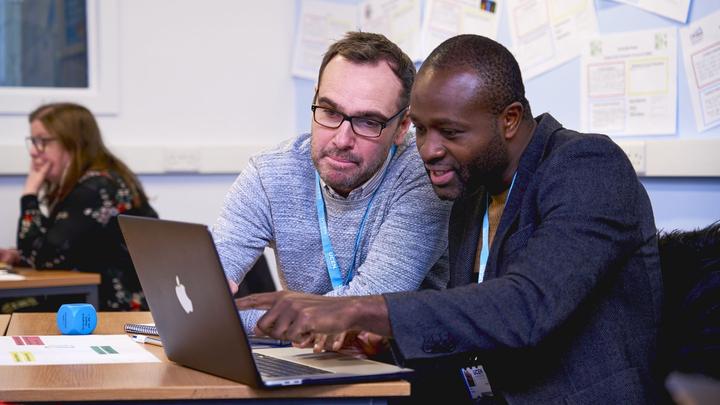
272	203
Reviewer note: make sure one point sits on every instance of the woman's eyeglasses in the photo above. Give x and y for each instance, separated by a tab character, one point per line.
38	143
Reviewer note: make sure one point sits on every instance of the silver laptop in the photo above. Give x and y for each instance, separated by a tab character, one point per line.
199	325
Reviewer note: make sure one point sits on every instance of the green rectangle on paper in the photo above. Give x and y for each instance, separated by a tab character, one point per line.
98	349
109	349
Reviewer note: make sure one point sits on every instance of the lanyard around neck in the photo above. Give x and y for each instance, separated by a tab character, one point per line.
485	252
333	267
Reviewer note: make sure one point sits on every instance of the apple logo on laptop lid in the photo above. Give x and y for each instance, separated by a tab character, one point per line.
182	296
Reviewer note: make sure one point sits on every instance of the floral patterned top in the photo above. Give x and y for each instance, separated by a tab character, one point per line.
82	233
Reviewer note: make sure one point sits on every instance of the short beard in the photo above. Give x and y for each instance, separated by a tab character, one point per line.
347	182
486	170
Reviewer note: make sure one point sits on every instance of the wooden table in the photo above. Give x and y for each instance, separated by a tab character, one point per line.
151	381
4	320
43	323
52	282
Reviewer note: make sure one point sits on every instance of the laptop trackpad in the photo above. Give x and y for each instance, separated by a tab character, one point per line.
331	361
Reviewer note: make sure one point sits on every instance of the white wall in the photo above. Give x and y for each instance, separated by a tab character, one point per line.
197	72
204	72
196	76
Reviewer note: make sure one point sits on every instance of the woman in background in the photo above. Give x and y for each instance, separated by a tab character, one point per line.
69	207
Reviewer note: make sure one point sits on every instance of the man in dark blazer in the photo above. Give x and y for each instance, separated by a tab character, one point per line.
568	303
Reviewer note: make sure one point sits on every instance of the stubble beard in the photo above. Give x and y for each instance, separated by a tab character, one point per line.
346	181
486	170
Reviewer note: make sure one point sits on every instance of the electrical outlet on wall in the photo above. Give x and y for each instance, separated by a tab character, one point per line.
181	160
635	151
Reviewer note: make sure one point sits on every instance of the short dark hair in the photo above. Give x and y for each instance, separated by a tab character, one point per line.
494	65
365	47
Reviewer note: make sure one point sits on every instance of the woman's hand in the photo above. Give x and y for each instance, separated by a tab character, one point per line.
36	177
9	256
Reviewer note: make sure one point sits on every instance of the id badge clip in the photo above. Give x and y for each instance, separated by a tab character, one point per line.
476	382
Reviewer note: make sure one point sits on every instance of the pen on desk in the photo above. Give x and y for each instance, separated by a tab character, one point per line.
147	339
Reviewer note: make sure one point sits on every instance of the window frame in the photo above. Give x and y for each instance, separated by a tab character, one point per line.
102	94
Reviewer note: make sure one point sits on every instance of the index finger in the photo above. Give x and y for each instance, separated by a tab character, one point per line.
258	301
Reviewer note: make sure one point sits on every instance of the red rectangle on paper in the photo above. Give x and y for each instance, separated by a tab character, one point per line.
33	340
18	341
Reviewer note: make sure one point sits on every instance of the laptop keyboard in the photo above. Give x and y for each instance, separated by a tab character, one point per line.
274	367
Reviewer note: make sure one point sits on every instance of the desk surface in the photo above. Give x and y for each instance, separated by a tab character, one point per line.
4	320
50	278
41	323
144	381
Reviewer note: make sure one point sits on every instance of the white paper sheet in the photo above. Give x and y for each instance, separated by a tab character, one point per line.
548	33
322	22
399	20
447	18
6	276
72	349
701	56
628	83
675	9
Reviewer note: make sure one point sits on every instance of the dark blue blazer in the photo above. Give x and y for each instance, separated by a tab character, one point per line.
569	307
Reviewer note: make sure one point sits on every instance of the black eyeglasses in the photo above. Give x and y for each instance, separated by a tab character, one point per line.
361	126
38	143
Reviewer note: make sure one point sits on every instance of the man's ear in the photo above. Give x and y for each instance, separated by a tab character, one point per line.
511	118
402	129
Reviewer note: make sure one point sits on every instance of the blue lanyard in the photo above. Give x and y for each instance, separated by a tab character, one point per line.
485	252
333	267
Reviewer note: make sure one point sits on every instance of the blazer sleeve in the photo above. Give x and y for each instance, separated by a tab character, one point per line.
578	224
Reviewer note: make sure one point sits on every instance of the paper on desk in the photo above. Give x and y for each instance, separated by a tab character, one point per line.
81	349
11	277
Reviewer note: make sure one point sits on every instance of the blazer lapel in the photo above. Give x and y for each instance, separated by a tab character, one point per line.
465	228
529	162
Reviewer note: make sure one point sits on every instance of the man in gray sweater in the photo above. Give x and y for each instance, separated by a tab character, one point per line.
348	208
555	285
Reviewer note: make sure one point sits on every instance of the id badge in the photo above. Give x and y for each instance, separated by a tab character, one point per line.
476	382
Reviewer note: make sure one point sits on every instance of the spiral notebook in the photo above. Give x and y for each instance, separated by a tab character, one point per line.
142	328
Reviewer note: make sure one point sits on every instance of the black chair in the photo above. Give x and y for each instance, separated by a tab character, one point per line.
257	280
689	339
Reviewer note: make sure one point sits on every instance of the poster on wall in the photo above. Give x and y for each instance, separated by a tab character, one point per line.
628	83
448	18
548	33
701	57
399	20
322	22
675	9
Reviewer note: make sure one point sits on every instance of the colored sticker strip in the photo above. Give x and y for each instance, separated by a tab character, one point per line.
98	350
109	349
33	340
20	357
18	341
